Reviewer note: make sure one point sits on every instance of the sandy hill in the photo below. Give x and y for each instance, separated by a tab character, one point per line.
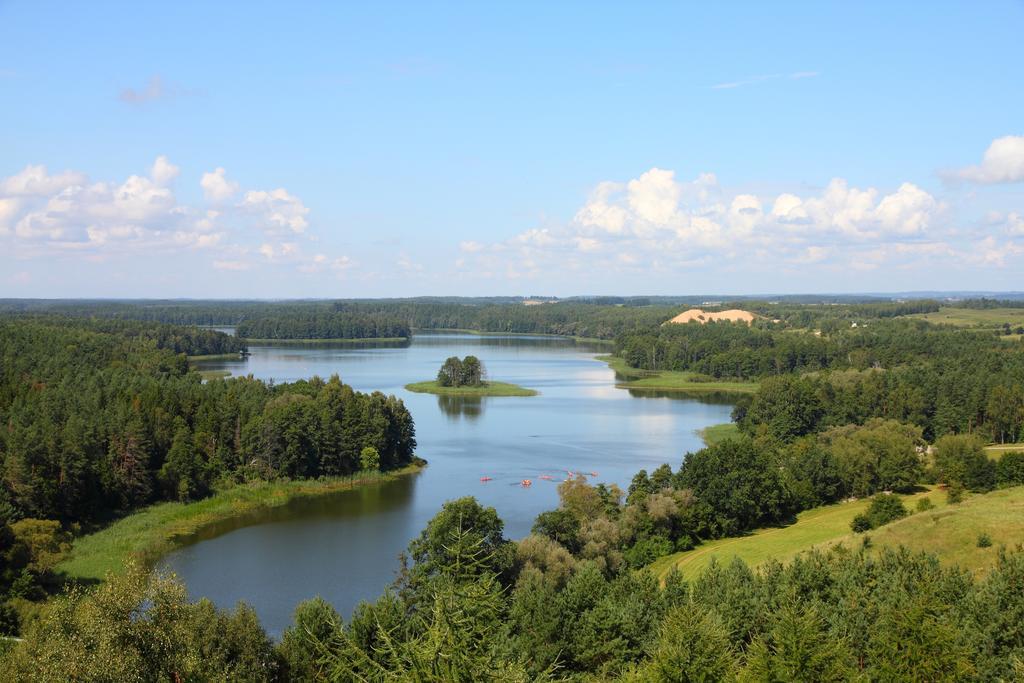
733	314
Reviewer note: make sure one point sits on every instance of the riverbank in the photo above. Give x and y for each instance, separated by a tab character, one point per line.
207	375
150	533
462	330
488	389
304	342
216	356
717	433
671	380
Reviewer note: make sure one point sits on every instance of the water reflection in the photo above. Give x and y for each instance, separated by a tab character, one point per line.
457	407
713	398
441	338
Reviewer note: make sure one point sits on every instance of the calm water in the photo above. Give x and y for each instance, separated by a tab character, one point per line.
345	548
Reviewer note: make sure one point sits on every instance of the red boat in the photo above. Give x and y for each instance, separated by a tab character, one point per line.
526	482
485	479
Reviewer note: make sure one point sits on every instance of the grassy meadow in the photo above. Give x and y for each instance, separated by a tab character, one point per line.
812	527
990	318
951	531
996	451
146	535
669	380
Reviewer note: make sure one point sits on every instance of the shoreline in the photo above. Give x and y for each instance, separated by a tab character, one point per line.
489	389
150	533
299	341
480	333
670	380
216	356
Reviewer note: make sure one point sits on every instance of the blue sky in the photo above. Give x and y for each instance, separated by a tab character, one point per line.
397	149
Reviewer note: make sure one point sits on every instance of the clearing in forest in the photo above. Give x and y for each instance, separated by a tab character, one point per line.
812	527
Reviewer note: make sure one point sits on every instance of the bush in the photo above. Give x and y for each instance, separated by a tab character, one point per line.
984	540
924	505
1010	469
860	524
962	458
684	543
955	493
9	621
647	551
885	508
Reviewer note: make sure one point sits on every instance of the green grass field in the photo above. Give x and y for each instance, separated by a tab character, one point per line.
668	380
812	527
991	318
488	389
996	451
154	531
952	531
716	433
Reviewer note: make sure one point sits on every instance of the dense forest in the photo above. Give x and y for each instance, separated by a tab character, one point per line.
100	418
943	379
319	324
100	422
101	414
474	606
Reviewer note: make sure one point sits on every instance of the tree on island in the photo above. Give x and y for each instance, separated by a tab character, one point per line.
467	372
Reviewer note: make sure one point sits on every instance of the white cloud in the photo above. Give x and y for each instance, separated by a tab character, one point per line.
470	247
1003	163
278	208
34	181
654	196
600	212
666	224
43	214
8	210
908	211
216	186
1014	224
163	171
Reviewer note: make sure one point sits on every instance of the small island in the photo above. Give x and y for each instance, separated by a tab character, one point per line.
466	377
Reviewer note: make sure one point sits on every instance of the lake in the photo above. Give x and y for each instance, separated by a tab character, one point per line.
345	547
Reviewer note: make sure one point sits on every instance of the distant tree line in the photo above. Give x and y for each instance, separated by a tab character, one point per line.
985	304
322	324
187	339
